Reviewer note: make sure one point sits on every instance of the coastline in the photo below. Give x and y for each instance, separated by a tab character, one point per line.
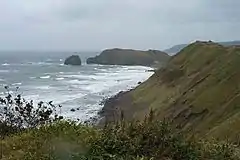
112	110
119	106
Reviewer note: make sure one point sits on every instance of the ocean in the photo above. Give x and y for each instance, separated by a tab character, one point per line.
41	76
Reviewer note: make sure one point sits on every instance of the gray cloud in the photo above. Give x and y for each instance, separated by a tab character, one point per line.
95	25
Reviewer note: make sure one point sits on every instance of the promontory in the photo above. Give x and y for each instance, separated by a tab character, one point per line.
129	57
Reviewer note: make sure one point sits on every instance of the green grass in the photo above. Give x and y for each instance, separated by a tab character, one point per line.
197	90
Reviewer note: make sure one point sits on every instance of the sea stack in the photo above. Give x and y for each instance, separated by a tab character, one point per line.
73	60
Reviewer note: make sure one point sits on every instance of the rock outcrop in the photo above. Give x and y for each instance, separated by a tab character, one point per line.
73	60
129	57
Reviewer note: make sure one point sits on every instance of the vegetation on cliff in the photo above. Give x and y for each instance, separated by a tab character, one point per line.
130	57
198	90
177	48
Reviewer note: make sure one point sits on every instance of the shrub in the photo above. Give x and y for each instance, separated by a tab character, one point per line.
17	114
124	141
154	140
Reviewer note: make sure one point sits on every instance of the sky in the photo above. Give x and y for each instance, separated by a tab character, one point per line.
91	25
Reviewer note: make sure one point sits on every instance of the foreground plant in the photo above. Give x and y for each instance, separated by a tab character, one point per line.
123	141
17	113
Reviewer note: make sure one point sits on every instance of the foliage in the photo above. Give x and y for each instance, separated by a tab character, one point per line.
155	140
61	140
16	113
147	140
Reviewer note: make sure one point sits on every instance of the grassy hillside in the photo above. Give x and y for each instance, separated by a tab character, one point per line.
199	90
177	48
130	57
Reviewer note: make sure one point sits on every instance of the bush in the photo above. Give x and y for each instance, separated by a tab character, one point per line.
142	139
154	140
130	141
61	140
17	114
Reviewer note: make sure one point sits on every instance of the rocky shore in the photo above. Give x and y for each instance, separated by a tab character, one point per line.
113	109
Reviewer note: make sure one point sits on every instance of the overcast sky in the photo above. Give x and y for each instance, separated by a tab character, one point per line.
99	24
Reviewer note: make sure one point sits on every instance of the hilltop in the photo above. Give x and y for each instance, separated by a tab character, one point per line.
198	90
177	48
129	57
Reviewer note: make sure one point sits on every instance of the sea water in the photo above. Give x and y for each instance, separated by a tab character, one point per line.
41	76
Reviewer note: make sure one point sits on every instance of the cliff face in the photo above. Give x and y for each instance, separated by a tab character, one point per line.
129	57
198	90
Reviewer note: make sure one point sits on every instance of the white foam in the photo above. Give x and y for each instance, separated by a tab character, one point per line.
43	87
17	84
79	76
103	70
45	77
60	78
32	77
70	97
118	79
37	63
5	64
11	92
75	81
57	98
98	87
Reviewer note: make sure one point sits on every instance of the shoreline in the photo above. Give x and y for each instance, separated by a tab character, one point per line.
117	106
112	111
